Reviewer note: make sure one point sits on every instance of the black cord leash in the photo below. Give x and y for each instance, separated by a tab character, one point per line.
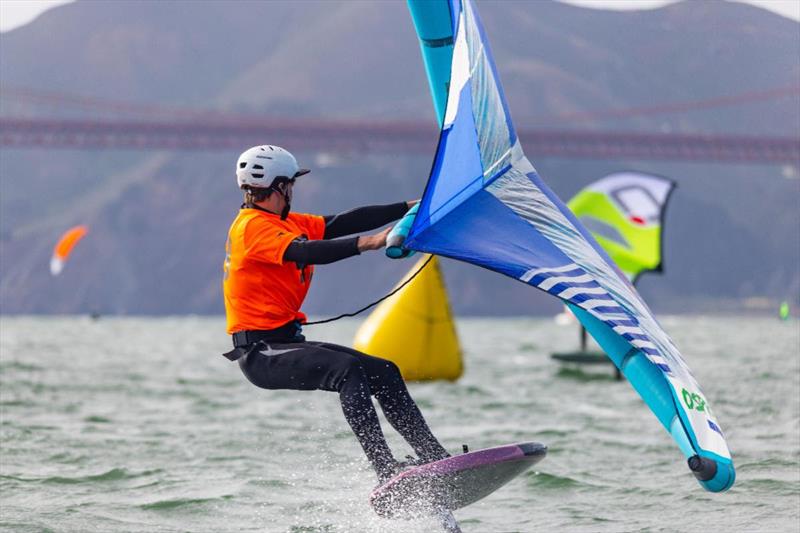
376	302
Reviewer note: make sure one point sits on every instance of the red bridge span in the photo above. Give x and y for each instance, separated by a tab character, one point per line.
376	136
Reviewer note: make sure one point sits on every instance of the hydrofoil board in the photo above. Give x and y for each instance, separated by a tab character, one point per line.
453	482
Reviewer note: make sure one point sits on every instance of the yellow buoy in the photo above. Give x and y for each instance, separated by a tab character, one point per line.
415	328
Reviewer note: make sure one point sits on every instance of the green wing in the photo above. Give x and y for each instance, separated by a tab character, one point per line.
625	213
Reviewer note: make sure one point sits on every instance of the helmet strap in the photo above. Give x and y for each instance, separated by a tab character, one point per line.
286	207
282	191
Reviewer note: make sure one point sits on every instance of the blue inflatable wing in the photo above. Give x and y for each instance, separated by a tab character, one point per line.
485	204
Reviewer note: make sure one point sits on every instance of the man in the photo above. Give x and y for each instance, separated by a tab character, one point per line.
269	264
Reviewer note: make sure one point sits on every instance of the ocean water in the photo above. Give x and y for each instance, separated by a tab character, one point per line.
139	424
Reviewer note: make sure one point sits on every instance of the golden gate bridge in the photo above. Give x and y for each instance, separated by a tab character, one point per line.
157	127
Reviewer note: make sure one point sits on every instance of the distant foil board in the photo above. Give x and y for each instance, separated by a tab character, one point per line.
583	357
454	482
586	358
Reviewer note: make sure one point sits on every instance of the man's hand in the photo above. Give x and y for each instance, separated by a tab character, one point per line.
373	242
412	203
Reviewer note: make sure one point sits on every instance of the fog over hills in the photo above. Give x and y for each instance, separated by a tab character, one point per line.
158	221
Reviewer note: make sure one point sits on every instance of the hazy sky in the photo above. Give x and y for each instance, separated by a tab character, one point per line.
15	13
787	8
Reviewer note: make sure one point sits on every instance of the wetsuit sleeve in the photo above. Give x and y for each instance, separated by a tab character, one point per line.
320	252
362	219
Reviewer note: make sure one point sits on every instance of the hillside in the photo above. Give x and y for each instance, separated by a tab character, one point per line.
158	220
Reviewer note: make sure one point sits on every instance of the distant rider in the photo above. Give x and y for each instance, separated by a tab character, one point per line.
269	261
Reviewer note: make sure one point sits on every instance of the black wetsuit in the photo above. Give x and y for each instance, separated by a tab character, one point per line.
283	359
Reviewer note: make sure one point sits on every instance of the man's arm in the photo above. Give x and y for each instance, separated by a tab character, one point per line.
305	252
364	219
321	252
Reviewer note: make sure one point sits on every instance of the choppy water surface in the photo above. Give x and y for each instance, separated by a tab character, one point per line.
127	424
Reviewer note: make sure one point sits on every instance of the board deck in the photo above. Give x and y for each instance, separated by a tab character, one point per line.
454	482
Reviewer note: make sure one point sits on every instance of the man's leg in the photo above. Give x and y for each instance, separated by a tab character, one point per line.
307	366
387	385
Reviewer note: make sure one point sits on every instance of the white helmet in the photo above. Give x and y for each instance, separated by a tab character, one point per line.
261	165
